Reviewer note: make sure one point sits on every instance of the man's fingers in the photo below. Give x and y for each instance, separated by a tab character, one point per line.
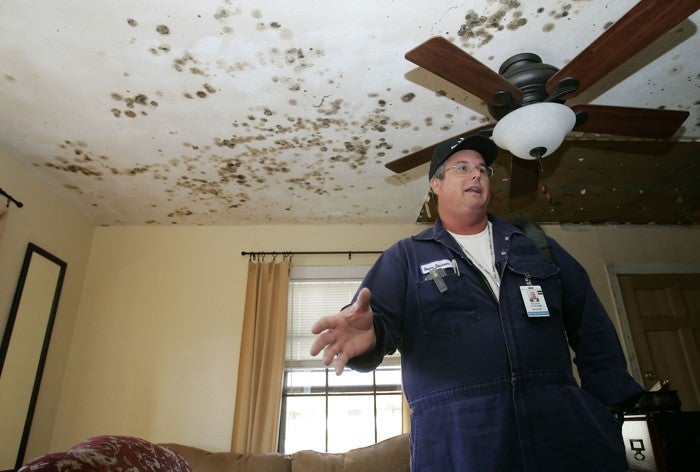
324	323
340	362
334	331
322	340
363	299
331	355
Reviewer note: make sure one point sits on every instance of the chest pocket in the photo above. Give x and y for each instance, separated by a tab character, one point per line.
446	313
542	273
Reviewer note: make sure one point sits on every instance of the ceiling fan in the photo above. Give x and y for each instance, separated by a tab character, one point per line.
524	84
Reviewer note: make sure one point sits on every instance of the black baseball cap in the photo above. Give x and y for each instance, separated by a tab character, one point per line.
476	142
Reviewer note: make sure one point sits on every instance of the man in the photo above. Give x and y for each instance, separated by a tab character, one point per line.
488	376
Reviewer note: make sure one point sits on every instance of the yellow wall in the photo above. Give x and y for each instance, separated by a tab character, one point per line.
58	228
156	331
156	341
155	350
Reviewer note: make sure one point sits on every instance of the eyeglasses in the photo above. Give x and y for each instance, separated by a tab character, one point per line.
465	168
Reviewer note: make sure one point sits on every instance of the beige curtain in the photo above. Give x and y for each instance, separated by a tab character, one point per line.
261	364
405	415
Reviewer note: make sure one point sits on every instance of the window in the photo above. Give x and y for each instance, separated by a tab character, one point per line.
320	410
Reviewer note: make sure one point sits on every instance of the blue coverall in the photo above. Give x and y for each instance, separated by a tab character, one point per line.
490	388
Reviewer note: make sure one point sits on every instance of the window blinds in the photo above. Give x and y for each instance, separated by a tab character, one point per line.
309	300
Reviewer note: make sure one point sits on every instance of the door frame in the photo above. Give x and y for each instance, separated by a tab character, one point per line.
640	268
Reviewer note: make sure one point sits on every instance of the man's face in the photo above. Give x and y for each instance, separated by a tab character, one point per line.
457	193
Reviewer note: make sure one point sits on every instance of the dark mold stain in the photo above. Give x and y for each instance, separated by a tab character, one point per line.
563	13
517	21
139	99
75	169
188	62
477	29
221	13
297	58
163	48
162	29
131	22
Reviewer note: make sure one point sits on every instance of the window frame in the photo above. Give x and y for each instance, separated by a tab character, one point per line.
327	390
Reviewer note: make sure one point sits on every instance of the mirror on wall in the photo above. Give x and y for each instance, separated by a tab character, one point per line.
24	347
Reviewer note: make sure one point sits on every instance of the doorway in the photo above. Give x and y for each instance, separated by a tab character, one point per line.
660	319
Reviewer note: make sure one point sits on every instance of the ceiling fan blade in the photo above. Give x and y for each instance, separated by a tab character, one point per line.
409	161
412	160
627	121
524	177
448	61
638	28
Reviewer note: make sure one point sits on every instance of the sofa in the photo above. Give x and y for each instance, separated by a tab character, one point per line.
109	453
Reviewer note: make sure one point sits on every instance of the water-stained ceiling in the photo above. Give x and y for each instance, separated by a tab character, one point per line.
240	112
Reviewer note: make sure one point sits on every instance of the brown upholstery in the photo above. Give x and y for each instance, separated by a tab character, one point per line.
389	455
204	461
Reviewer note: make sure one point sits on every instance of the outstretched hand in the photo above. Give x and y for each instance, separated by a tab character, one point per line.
348	334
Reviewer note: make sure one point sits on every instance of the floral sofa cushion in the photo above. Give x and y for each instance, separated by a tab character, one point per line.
111	454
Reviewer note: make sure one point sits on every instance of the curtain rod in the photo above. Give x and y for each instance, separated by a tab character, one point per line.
10	199
282	253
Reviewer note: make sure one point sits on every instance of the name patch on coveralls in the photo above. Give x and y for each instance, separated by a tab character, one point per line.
431	266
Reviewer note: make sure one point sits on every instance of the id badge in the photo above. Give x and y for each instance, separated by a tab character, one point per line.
535	305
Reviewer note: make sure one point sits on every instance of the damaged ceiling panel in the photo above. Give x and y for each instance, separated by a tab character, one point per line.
224	112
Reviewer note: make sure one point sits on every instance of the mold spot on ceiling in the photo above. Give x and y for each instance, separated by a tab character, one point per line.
517	21
184	62
562	13
163	48
477	29
139	99
74	168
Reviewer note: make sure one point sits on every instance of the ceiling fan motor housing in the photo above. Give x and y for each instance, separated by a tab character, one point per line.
527	72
